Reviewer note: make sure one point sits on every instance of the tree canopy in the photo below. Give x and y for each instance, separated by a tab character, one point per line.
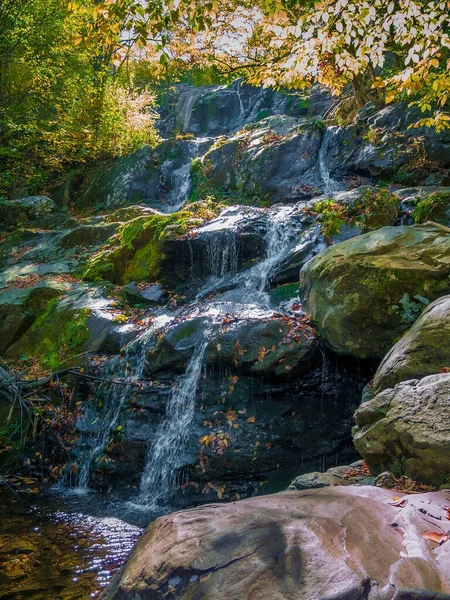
78	79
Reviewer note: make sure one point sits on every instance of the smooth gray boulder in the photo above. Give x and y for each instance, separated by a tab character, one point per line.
406	430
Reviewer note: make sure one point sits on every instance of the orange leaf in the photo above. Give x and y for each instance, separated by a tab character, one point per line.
251	419
434	536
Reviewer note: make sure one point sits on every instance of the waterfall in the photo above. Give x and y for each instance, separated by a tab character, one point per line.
163	459
241	105
221	254
178	180
185	105
330	185
280	237
104	411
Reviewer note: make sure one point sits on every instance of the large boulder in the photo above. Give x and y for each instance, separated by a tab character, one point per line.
23	210
220	110
274	162
362	294
270	347
133	179
406	429
424	350
341	543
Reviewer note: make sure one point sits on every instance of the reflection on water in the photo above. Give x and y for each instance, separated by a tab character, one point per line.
57	548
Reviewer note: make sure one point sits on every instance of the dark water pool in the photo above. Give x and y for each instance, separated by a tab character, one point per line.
63	546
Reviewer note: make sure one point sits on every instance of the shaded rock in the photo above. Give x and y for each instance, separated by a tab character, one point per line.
344	475
280	347
19	308
422	351
363	293
385	480
133	179
276	162
221	110
151	294
334	543
315	480
22	210
88	235
406	429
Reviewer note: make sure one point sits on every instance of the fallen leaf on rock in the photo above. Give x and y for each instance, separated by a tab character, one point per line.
399	503
434	536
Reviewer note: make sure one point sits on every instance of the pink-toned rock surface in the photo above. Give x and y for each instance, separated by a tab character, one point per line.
338	543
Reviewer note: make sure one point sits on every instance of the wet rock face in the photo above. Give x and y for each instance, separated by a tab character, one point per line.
362	294
333	543
406	429
251	427
221	110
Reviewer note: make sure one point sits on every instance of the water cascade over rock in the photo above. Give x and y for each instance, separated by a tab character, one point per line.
206	379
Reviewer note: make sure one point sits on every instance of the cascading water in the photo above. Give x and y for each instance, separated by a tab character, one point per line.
102	415
281	236
221	255
330	185
163	459
179	181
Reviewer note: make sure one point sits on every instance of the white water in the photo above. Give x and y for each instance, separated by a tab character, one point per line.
281	237
129	371
163	460
330	185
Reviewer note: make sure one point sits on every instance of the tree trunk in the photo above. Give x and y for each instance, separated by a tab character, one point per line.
360	91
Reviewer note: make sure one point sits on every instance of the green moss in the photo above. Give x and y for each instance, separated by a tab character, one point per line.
55	335
137	252
333	216
432	208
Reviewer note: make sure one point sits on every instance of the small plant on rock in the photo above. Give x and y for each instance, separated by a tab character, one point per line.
410	308
431	208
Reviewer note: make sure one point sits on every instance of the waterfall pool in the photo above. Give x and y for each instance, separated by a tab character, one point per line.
62	545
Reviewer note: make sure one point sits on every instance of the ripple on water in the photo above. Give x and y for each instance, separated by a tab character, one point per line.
48	553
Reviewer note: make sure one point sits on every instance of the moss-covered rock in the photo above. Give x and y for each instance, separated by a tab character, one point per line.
406	429
424	350
363	294
433	207
364	209
138	252
22	210
56	334
19	308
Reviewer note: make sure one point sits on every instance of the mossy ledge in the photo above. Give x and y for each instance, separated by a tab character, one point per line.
137	251
55	336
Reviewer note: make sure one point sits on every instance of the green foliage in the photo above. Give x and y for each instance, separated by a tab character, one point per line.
62	102
372	210
262	114
377	208
431	208
333	217
410	308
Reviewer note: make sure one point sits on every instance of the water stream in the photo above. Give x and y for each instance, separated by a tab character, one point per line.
159	478
330	185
